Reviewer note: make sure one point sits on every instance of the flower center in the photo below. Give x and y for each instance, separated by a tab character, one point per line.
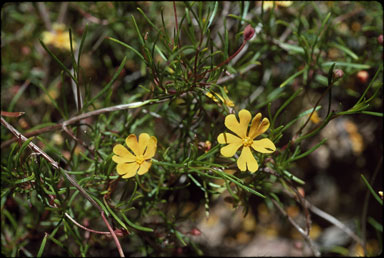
140	159
247	141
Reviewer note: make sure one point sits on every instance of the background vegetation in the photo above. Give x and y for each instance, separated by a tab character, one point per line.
314	69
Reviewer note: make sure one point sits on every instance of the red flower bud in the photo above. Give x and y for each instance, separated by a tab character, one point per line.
362	76
337	73
195	232
248	32
380	39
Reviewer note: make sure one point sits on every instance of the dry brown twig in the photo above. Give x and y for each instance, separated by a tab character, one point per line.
64	125
302	232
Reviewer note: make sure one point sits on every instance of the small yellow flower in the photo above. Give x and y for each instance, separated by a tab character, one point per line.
58	37
315	118
269	4
139	162
224	99
245	139
210	95
53	93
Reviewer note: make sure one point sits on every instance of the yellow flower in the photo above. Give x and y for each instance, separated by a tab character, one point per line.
58	37
269	4
315	118
224	99
139	162
245	139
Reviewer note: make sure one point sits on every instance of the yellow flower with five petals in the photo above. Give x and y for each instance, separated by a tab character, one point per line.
58	37
245	139
139	160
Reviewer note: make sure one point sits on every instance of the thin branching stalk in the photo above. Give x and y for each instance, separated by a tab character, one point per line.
88	229
302	232
56	166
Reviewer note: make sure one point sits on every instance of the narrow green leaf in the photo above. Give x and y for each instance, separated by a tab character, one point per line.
148	20
10	218
321	79
22	148
129	47
209	153
239	183
294	178
326	19
158	50
237	198
58	61
213	14
135	226
371	190
53	101
374	223
74	63
292	77
108	86
370	84
344	64
114	215
318	36
245	11
307	112
241	19
42	246
138	31
308	152
180	237
289	100
344	49
330	74
81	49
196	182
371	113
24	180
292	48
16	97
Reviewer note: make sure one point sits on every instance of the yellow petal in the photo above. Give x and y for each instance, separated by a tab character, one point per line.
228	138
239	128
258	128
246	159
264	146
47	37
218	95
121	151
151	148
230	149
254	126
127	169
131	142
119	159
144	167
143	142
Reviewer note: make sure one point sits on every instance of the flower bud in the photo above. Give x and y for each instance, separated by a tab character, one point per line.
337	74
248	32
380	39
362	76
195	232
